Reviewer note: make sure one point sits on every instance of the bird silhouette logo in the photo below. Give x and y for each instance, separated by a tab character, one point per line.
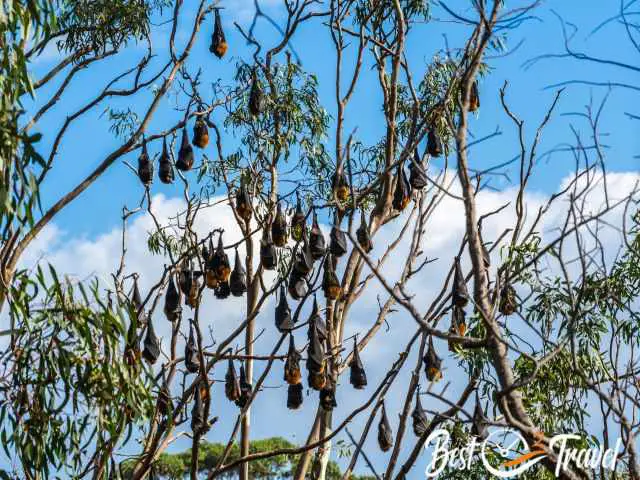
514	467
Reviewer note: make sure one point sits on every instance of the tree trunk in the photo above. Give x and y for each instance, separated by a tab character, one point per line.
324	452
305	458
252	298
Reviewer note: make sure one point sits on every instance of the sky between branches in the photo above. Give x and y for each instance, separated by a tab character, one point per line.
85	239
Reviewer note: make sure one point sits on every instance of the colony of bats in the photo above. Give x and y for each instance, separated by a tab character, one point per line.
311	247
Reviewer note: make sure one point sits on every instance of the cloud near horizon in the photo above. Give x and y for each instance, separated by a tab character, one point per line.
82	257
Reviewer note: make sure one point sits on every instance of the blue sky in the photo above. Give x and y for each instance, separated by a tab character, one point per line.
90	225
98	208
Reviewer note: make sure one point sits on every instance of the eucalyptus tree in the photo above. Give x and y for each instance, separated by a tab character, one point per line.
263	146
84	35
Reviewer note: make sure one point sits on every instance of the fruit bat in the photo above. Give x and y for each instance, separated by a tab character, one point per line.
317	380
419	417
474	97
338	243
402	192
292	374
255	95
385	435
268	254
198	421
362	234
330	283
238	278
316	239
340	184
190	285
222	291
458	326
211	279
165	171
316	362
298	222
136	300
328	397
279	231
194	291
459	321
185	154
151	350
434	143
508	300
357	376
283	313
231	383
200	133
145	166
316	321
243	203
294	396
191	359
218	41
186	279
245	389
297	285
172	307
203	391
417	175
432	363
220	262
304	259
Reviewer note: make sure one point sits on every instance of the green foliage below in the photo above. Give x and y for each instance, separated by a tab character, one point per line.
176	466
82	389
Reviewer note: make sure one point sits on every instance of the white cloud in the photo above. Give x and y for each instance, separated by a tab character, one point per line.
99	256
